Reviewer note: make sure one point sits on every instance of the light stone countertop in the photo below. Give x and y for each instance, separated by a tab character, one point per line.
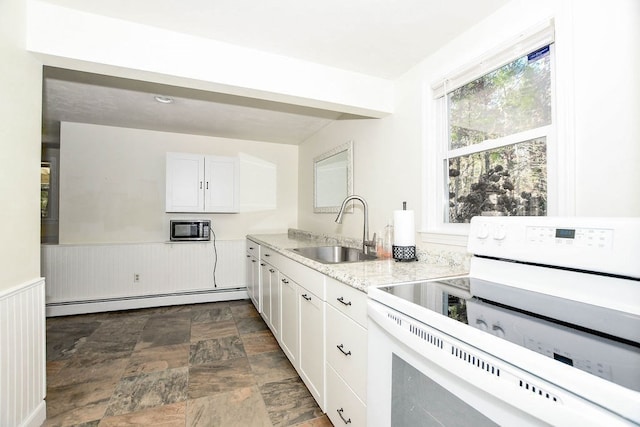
361	275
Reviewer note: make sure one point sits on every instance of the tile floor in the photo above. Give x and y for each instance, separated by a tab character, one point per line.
214	364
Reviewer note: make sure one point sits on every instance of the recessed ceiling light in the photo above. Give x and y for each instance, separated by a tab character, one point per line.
163	99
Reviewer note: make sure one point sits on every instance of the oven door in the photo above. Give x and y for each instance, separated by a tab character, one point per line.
420	376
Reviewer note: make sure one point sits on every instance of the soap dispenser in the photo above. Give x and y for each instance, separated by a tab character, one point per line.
387	241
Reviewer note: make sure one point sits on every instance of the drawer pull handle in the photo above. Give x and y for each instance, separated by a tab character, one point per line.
341	348
346	421
307	297
285	281
341	300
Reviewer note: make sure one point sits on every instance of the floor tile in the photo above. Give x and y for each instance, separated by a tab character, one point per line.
289	402
201	331
209	351
248	325
64	339
212	314
244	310
79	371
149	390
270	367
141	367
241	407
155	359
219	377
168	329
322	421
260	342
162	416
78	403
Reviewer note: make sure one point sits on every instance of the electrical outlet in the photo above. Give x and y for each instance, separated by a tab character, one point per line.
136	277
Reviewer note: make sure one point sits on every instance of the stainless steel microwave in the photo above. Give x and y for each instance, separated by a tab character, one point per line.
186	230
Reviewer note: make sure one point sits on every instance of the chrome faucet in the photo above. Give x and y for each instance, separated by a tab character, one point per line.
368	246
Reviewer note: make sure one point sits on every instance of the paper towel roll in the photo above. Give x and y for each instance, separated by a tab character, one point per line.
404	230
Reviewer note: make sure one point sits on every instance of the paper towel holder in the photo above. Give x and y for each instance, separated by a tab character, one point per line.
404	253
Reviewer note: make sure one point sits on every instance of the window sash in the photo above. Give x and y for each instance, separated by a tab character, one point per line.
528	41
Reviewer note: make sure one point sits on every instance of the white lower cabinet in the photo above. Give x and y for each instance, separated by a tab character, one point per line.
289	331
312	356
343	406
267	275
320	324
347	350
253	273
346	347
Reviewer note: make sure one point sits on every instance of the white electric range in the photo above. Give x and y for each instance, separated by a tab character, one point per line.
545	330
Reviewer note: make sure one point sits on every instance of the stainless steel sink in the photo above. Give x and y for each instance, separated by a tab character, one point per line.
334	254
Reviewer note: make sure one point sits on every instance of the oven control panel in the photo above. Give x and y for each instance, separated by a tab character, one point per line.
601	245
597	238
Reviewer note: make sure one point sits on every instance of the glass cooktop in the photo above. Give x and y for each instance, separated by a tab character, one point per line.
600	341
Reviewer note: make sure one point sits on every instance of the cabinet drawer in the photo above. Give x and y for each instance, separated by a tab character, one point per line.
347	300
343	406
253	249
270	256
347	350
306	277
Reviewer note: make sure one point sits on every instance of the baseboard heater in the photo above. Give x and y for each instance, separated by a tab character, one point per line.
66	308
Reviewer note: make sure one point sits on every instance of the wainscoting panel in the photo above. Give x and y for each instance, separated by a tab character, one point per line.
22	355
81	273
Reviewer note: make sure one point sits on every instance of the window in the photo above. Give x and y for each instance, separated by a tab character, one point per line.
497	135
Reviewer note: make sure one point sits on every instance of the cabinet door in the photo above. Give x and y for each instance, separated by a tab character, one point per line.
290	318
265	295
274	320
253	281
222	176
312	343
184	182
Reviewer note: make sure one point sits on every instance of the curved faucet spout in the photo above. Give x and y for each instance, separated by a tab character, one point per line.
366	243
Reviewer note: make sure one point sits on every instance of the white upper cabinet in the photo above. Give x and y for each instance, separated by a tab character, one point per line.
199	183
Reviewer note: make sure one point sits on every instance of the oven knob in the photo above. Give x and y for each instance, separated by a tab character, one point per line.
481	324
483	231
500	232
497	330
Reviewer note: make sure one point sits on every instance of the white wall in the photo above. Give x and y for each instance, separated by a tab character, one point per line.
597	51
20	111
22	326
112	184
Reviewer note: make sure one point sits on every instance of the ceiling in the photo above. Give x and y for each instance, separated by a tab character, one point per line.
381	38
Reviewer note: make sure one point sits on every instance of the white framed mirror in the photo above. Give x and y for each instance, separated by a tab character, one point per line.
332	178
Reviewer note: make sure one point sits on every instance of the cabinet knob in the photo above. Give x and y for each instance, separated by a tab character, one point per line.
344	420
250	248
342	301
341	348
285	281
271	270
253	260
307	297
262	264
267	254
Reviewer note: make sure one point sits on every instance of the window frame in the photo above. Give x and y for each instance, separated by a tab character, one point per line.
435	129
